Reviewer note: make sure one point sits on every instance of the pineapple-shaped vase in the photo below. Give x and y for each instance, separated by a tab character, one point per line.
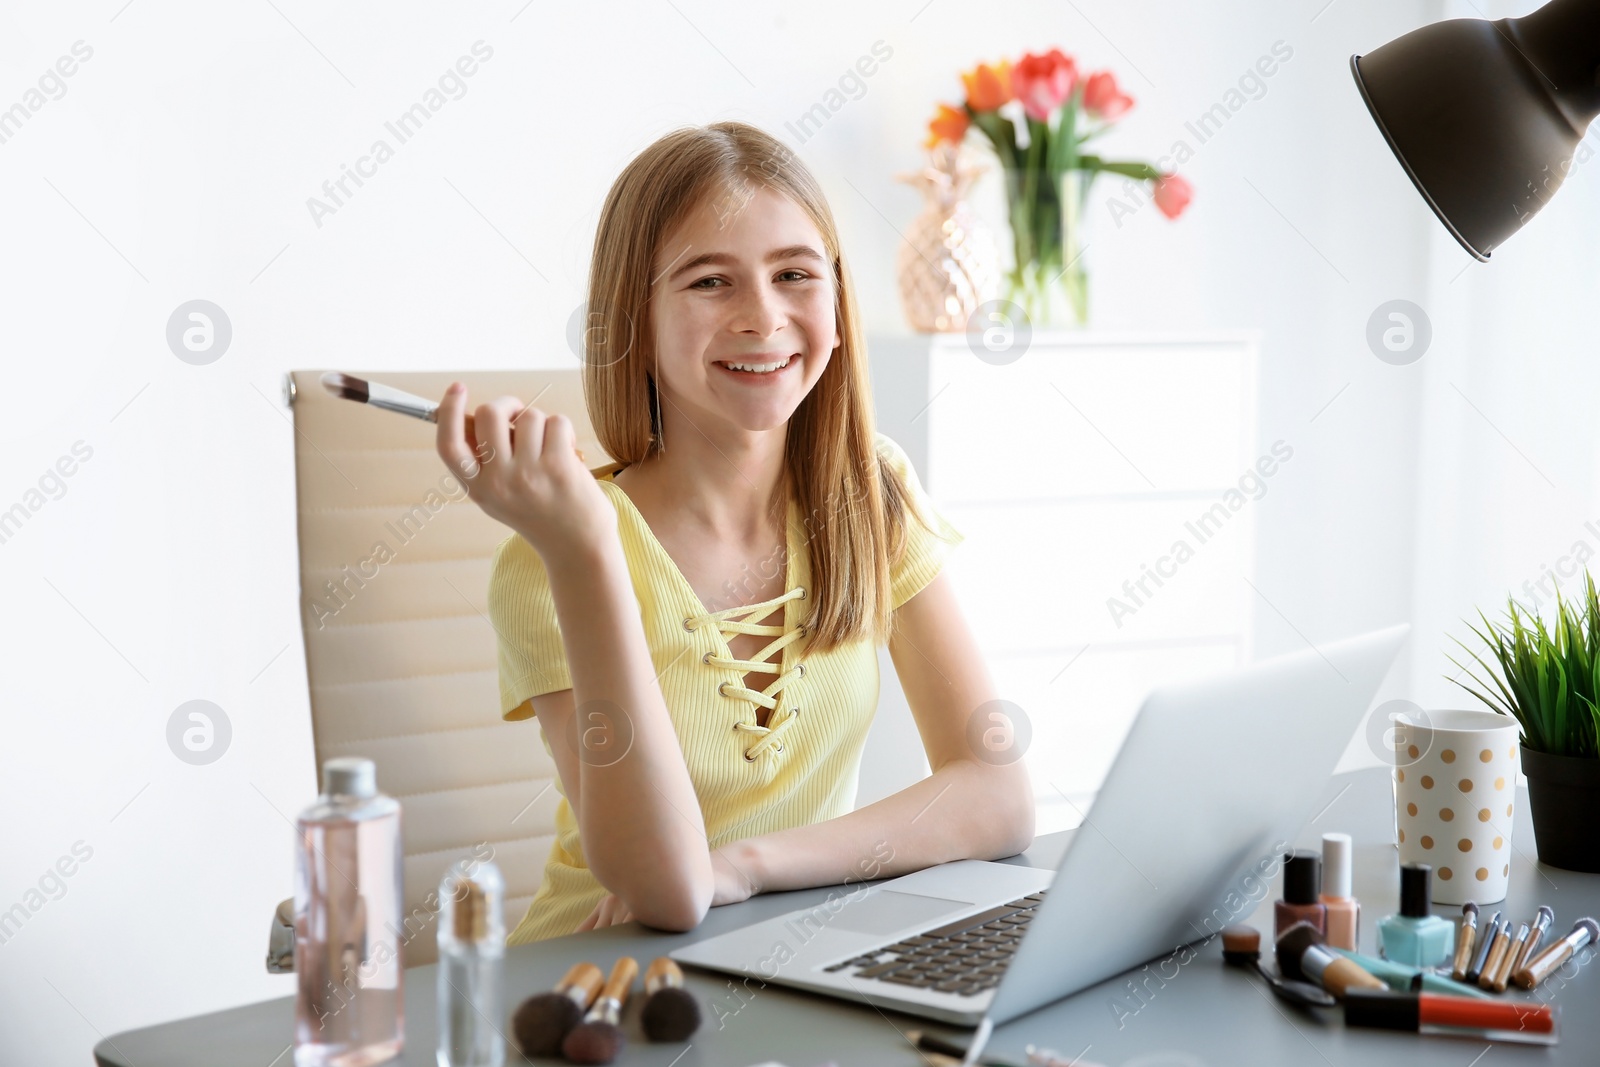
949	262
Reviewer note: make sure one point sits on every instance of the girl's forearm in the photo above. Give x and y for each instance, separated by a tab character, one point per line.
637	812
964	810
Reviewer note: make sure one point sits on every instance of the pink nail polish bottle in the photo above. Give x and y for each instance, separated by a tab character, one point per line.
1344	911
1302	875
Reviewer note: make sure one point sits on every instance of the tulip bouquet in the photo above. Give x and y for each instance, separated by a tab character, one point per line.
1048	178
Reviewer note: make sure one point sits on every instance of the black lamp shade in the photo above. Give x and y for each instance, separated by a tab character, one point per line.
1486	116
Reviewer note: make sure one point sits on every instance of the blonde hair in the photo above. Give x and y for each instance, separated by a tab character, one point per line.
855	505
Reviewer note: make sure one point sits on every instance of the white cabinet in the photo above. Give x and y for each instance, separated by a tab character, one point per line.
1106	486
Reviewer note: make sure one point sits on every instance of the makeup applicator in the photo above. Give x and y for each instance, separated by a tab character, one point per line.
1303	953
387	397
1241	947
598	1039
670	1011
543	1021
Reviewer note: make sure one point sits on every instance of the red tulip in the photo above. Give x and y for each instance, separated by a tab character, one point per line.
1044	82
1172	195
949	124
1102	98
988	87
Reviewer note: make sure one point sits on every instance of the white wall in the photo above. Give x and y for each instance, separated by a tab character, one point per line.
178	164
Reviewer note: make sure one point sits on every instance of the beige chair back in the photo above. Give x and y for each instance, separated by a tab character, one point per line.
401	656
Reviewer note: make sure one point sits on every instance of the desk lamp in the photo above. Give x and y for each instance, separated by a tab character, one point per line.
1486	116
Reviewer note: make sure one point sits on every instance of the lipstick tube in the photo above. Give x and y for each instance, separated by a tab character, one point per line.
1431	1013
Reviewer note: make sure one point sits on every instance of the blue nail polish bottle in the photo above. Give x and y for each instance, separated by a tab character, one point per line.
1416	936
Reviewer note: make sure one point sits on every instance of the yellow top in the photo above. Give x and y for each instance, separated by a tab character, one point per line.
800	769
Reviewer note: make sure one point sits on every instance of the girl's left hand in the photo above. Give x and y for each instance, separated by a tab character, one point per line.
609	912
733	884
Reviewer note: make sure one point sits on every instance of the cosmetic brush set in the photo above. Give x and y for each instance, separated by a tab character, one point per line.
581	1018
1431	976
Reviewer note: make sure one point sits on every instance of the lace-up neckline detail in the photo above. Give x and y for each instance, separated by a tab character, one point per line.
739	621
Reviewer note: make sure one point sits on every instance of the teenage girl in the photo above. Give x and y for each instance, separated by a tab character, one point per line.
696	625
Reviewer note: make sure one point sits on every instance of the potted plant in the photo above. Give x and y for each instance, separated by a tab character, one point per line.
1549	681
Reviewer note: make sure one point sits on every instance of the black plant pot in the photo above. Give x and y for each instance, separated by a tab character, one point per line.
1563	798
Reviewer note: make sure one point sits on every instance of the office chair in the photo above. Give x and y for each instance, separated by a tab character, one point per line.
400	652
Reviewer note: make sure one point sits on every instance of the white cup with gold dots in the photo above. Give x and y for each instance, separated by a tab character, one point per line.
1455	791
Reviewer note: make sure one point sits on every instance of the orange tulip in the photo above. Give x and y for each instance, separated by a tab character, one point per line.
950	124
988	87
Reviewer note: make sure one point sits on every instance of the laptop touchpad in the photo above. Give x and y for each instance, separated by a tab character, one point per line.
887	910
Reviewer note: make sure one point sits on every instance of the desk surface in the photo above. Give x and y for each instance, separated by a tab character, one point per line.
1199	1013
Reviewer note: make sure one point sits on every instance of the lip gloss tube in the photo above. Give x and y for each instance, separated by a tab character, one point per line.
1432	1013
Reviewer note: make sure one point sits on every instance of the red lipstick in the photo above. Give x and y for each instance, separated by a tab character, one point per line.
1433	1013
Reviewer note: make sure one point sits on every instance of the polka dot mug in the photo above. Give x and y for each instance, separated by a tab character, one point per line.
1455	794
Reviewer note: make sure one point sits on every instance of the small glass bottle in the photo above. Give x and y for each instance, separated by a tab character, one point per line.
472	947
1302	875
1344	911
350	1004
1416	936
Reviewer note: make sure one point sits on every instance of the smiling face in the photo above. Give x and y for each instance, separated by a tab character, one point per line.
743	309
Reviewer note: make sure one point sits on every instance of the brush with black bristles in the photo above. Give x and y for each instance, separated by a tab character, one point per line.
670	1011
599	1038
387	397
544	1020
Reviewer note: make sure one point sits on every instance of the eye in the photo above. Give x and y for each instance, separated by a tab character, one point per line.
713	278
803	274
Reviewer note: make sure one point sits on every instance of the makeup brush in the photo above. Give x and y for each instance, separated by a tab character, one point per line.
1241	947
543	1021
670	1011
598	1039
1303	953
387	397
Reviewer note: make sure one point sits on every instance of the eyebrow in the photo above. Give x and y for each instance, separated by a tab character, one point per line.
710	258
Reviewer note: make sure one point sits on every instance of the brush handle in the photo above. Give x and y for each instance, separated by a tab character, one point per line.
664	973
581	984
401	402
608	1008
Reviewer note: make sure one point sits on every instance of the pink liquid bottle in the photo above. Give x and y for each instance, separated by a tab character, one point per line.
349	1010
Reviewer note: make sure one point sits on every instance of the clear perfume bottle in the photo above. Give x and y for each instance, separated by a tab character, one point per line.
349	1009
472	948
1416	936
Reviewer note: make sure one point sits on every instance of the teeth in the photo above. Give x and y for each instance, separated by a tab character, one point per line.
758	368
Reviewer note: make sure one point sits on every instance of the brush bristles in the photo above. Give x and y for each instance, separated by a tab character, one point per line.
543	1022
1293	944
596	1042
670	1014
346	386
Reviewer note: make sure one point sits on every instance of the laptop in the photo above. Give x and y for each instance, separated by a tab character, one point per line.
1214	781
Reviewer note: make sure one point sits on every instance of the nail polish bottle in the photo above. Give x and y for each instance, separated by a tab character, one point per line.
1344	911
1302	873
1416	936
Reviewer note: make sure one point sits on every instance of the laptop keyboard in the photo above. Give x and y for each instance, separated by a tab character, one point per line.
965	957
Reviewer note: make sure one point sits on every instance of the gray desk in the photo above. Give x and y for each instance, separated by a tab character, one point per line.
1197	1013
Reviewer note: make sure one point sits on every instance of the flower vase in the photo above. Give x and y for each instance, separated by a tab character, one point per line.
1050	281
